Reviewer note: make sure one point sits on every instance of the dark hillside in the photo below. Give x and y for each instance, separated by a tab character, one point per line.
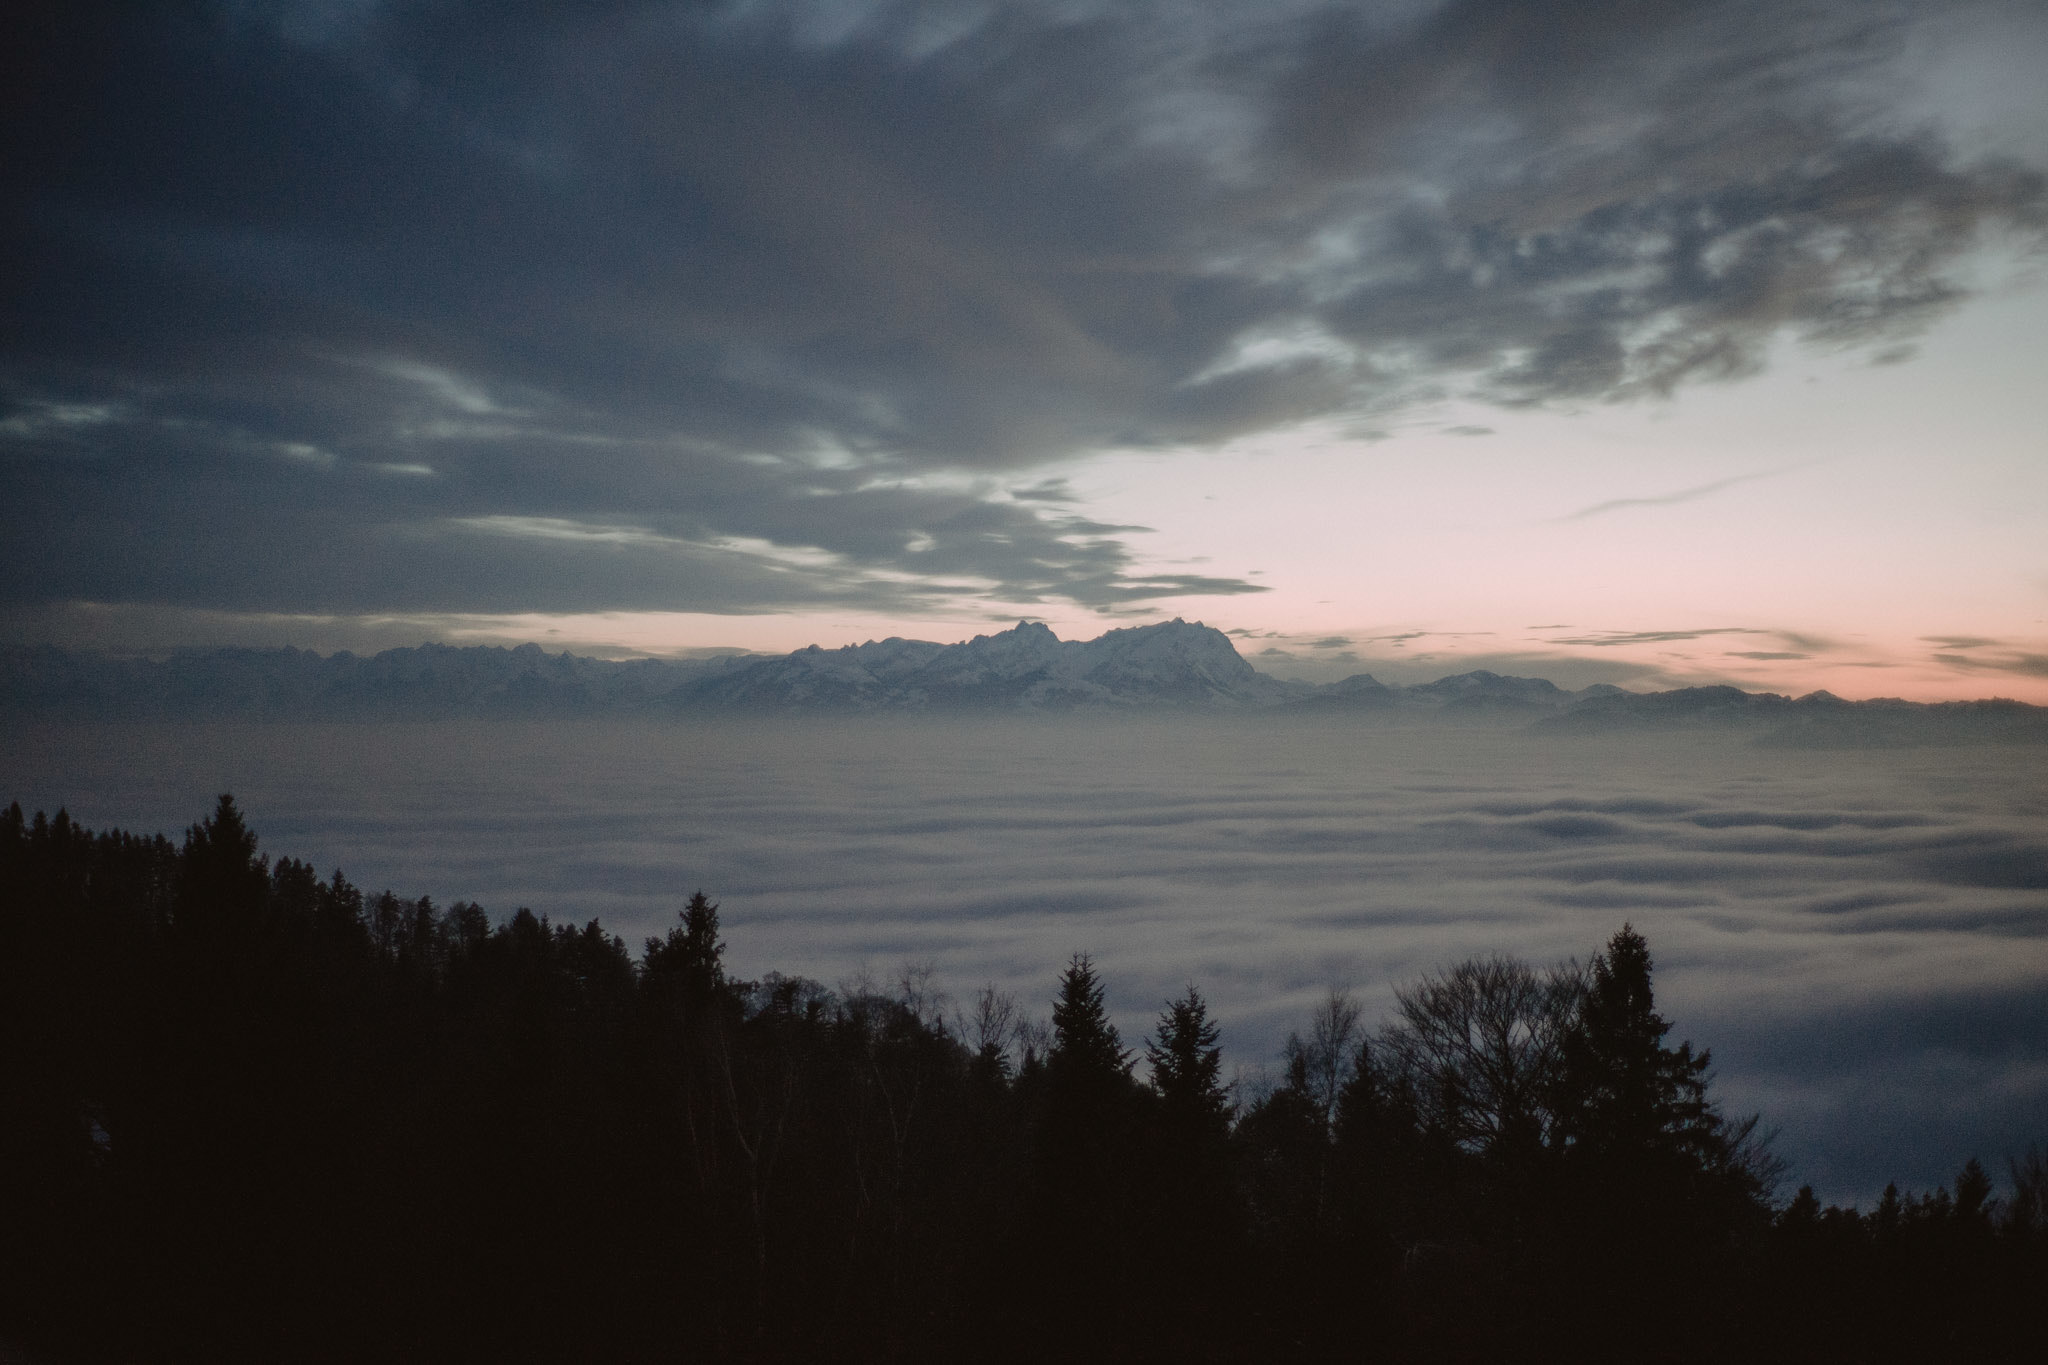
254	1113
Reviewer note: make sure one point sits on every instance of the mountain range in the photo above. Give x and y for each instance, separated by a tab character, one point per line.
1174	665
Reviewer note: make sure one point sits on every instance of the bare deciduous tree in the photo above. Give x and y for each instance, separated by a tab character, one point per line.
917	988
1481	1045
1325	1059
992	1025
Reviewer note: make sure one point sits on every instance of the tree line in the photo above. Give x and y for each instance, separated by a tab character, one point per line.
254	1113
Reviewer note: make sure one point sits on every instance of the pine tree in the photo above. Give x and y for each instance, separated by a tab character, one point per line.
1634	1119
222	885
1624	1094
1084	1042
1087	1173
690	961
1974	1204
1187	1066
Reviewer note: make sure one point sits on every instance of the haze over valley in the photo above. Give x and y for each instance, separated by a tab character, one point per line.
1855	932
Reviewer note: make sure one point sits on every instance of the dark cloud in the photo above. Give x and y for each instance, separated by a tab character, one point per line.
2025	665
399	307
1046	490
1764	654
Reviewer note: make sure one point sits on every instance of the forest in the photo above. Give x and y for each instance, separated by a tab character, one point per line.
248	1112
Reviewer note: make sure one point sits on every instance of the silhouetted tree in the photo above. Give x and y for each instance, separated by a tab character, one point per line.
1327	1056
222	885
2026	1215
1482	1047
1974	1203
1621	1092
1635	1113
1082	1210
1187	1068
1085	1045
1377	1151
1192	1219
692	952
1284	1150
991	1028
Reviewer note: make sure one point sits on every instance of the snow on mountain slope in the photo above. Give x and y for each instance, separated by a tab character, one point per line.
1027	666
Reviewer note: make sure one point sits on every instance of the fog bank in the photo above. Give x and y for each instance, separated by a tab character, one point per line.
1858	935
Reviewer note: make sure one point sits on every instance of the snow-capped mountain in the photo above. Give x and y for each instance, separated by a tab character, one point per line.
1174	663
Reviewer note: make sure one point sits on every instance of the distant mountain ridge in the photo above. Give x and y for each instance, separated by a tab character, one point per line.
427	680
1172	665
1027	667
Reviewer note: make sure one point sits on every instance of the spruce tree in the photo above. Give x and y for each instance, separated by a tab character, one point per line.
1187	1065
1084	1042
1624	1094
1084	1225
690	961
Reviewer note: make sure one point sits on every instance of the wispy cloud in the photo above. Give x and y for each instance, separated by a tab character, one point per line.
1963	641
2022	665
1401	638
1694	494
1610	638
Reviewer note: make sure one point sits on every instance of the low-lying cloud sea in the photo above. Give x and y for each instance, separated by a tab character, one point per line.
1861	937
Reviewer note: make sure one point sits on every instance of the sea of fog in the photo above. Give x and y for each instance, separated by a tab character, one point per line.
1860	937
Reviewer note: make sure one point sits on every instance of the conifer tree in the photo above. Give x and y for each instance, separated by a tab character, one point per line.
1187	1065
1624	1094
701	951
1084	1042
222	884
691	959
1082	1221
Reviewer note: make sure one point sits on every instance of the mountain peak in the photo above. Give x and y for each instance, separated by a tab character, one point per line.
1028	630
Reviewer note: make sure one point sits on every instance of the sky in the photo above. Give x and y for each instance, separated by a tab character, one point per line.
1656	342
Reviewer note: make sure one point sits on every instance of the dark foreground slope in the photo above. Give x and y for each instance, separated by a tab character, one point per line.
256	1114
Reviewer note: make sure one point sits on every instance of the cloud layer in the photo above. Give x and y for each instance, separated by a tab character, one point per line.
1856	935
731	308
